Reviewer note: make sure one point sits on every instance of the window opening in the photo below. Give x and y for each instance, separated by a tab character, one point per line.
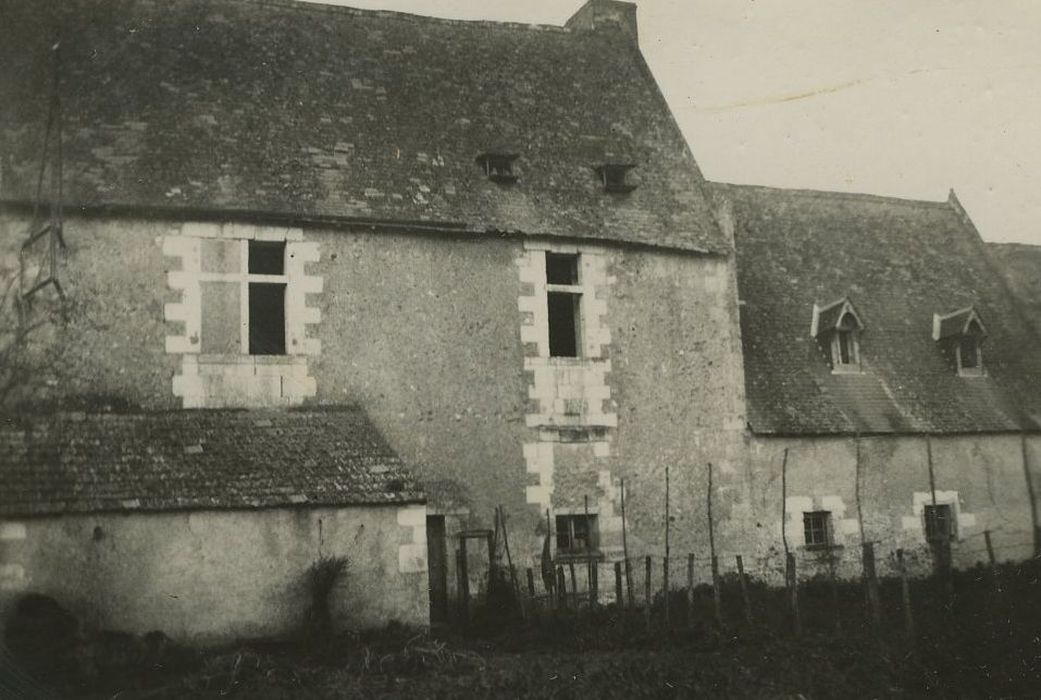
267	318
969	347
267	257
498	166
564	300
614	177
817	528
845	351
939	523
561	268
576	534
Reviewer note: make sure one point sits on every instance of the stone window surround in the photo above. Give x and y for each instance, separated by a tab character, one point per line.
277	379
244	278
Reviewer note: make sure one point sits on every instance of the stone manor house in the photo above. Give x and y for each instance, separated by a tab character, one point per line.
342	282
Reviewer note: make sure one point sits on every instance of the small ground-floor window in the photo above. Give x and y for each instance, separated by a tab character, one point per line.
817	526
576	534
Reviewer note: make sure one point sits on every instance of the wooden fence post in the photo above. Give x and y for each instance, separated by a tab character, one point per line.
665	588
665	560
594	583
905	595
464	582
833	575
625	549
744	589
717	597
793	592
574	583
619	600
690	590
871	581
647	593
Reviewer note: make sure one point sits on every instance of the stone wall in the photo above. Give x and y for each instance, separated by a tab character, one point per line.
210	577
982	477
437	337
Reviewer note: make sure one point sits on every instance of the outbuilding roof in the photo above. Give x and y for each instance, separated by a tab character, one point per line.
900	262
197	459
302	111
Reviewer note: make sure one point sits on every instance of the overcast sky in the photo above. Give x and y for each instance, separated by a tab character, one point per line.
894	97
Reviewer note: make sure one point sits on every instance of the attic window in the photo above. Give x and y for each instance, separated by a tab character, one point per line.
845	350
838	327
961	335
498	166
614	177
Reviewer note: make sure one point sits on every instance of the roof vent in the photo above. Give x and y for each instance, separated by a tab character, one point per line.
498	167
614	177
602	15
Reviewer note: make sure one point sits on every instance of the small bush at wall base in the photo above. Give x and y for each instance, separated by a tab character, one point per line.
322	577
42	636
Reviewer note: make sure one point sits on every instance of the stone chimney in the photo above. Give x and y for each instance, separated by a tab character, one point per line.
605	15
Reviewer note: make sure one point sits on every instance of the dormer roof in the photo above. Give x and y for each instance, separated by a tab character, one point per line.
958	323
828	318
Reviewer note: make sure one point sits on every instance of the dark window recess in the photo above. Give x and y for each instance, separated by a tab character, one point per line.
267	257
969	352
498	166
563	324
817	526
939	523
615	177
576	534
267	319
561	268
846	347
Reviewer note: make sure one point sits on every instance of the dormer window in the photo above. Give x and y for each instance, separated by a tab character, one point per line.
498	166
961	334
615	177
837	327
845	351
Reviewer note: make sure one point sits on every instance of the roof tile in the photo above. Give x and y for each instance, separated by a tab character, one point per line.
65	463
900	262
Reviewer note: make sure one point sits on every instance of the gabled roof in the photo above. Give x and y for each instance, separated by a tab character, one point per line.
199	459
902	261
957	323
310	112
828	317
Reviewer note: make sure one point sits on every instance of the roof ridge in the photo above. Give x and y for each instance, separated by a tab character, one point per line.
319	6
833	194
1014	244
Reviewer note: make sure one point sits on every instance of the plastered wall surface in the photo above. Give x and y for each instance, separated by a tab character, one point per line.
427	332
440	340
210	577
114	274
982	477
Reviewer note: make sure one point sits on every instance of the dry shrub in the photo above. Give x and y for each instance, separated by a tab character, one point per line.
322	577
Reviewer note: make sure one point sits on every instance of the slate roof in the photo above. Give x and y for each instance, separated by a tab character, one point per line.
1021	265
899	262
196	459
305	112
